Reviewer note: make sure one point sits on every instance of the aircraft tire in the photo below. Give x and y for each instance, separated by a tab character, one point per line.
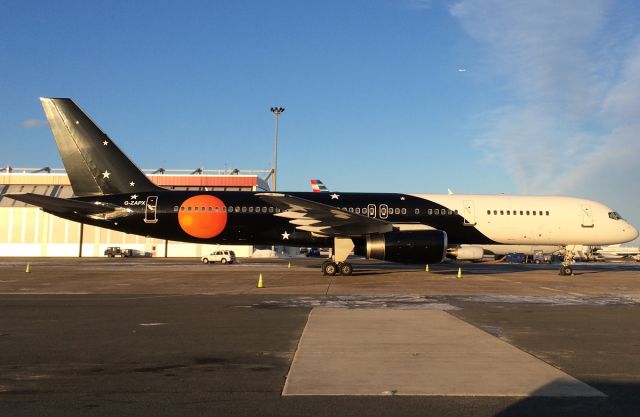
345	269
329	268
566	270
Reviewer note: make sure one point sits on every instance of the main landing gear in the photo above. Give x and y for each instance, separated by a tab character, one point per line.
330	268
337	265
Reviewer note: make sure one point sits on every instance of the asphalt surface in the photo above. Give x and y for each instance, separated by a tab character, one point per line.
170	337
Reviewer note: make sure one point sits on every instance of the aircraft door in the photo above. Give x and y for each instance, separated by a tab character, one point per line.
150	210
587	216
371	210
384	211
469	213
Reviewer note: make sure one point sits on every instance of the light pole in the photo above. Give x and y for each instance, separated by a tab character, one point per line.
276	111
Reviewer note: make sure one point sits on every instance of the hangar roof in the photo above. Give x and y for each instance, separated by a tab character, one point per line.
55	183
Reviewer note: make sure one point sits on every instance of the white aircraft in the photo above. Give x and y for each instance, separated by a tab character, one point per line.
617	252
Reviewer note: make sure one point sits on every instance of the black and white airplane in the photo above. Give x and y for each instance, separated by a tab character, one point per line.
111	192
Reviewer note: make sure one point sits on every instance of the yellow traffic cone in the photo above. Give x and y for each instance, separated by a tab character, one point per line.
426	268
28	270
460	273
260	284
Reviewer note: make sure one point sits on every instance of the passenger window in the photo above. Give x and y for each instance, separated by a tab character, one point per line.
357	210
508	212
189	208
181	208
534	212
430	211
521	212
175	208
449	212
455	212
195	209
495	212
251	209
404	211
547	213
244	209
224	209
527	212
203	209
397	211
264	209
271	209
350	209
417	211
489	212
540	212
436	211
501	212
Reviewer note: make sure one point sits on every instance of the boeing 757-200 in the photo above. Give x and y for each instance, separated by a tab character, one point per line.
111	192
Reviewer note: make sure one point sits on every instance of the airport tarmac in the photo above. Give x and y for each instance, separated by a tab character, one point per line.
175	337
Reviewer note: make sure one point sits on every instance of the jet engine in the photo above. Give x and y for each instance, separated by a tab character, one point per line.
423	246
466	253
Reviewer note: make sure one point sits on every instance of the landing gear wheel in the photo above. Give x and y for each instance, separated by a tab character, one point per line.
345	268
566	270
329	268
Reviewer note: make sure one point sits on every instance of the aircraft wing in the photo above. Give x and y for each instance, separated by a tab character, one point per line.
322	219
61	205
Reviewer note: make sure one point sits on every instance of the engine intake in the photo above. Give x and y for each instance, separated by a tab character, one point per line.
422	246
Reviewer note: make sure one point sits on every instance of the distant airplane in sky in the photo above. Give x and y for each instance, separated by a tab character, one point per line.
111	192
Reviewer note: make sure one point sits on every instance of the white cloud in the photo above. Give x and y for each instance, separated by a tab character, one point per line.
572	124
34	123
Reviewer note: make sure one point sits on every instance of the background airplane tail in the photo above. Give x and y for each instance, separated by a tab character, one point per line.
94	164
318	187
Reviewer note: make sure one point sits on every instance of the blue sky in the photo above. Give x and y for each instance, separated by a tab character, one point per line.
549	102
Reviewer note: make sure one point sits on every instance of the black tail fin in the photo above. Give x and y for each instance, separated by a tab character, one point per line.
94	164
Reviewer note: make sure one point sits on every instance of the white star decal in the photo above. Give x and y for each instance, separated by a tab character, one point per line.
335	196
131	184
106	174
134	196
401	198
285	235
105	143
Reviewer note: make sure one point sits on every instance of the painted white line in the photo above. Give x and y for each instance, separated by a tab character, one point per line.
550	289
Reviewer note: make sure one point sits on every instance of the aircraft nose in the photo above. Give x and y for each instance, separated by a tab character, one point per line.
631	232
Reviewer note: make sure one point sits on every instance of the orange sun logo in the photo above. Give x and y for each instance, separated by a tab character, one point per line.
202	216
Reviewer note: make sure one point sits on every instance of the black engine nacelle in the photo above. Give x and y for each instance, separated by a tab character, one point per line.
421	246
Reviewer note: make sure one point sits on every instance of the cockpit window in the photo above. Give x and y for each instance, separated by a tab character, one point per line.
614	215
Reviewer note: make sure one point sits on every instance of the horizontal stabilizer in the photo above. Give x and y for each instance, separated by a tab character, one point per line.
61	205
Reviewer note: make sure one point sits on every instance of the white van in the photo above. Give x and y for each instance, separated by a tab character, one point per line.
222	256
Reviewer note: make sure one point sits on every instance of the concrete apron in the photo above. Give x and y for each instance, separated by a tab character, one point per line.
416	352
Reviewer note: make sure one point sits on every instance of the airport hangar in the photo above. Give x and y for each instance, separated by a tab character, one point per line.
26	230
